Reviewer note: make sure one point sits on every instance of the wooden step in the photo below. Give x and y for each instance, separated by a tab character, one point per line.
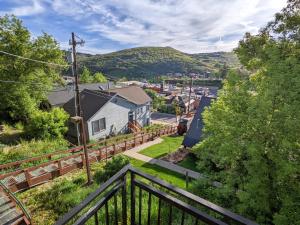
4	200
10	216
20	221
4	208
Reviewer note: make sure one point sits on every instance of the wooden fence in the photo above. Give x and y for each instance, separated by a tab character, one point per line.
21	179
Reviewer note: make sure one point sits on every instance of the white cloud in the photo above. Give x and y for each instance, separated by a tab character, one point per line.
188	25
26	8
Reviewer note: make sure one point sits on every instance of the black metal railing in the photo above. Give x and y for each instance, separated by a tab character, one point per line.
16	201
149	201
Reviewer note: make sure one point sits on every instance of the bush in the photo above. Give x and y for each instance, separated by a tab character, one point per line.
99	77
47	124
111	168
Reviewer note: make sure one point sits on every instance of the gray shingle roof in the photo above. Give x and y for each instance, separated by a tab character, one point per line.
61	95
133	94
194	133
91	101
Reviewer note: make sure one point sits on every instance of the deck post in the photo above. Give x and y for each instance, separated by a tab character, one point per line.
28	177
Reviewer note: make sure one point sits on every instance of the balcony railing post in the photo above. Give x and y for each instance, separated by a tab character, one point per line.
124	202
132	186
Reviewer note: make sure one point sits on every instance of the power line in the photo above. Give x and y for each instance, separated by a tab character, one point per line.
33	60
33	83
14	81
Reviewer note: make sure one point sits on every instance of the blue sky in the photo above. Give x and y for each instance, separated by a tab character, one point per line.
108	25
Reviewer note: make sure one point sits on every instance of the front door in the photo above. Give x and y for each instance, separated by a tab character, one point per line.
130	117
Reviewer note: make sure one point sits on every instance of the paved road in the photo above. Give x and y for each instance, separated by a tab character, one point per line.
133	153
163	117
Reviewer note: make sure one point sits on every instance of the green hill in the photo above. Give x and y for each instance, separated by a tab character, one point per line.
149	61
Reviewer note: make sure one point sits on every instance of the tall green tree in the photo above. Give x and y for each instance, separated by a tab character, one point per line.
252	140
86	76
24	83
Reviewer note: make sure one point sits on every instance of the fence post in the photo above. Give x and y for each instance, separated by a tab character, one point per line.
132	195
59	167
82	158
186	179
142	138
125	145
124	201
106	154
100	154
114	149
28	178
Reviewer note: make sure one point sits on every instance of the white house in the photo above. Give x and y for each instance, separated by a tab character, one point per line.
107	113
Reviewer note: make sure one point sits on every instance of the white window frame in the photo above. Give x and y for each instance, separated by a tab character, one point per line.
99	125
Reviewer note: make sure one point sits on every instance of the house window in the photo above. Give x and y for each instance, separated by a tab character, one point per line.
98	125
141	109
147	107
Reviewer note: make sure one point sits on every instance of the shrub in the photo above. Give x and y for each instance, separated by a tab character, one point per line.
47	124
111	168
99	77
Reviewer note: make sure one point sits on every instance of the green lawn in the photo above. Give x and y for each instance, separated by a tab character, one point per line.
160	172
169	144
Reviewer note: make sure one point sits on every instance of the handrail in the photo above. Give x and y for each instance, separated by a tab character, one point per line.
16	200
159	193
73	212
71	150
195	198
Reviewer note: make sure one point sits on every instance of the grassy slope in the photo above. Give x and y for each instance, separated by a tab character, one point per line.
14	146
169	144
147	61
49	201
161	173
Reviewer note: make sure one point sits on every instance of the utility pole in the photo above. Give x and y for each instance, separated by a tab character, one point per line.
78	107
188	109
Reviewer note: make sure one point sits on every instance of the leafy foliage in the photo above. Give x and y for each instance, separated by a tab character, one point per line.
86	76
110	168
99	78
251	143
150	61
157	101
31	80
47	124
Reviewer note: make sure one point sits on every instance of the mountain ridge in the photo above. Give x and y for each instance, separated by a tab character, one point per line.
146	62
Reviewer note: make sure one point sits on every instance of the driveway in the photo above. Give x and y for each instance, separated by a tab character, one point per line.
157	117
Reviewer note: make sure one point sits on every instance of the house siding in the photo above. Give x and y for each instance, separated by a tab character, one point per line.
143	118
115	113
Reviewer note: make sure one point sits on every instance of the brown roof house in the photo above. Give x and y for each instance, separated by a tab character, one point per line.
107	113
